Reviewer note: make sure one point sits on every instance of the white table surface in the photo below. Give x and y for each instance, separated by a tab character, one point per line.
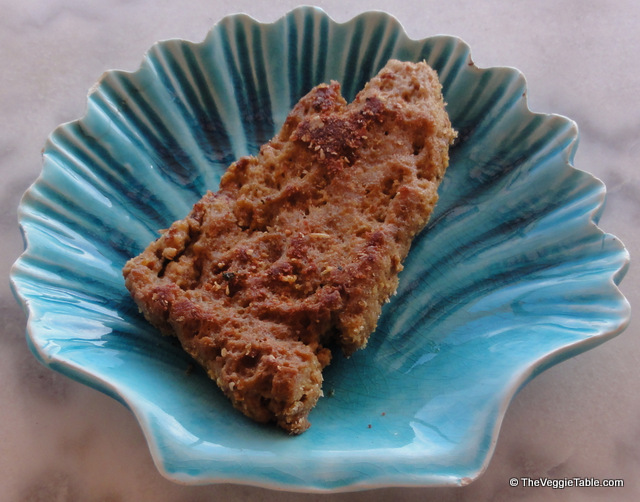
62	441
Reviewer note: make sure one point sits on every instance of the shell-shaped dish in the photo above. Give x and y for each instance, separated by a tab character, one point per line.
511	276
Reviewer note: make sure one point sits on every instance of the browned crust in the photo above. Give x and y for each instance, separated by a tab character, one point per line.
302	244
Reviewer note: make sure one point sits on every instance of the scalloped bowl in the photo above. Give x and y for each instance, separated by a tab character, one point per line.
511	275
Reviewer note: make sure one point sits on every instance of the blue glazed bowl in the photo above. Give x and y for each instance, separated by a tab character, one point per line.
511	276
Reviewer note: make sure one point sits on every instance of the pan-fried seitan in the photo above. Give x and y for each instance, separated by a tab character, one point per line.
302	244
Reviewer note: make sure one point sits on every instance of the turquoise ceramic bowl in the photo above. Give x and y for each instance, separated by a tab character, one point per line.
511	276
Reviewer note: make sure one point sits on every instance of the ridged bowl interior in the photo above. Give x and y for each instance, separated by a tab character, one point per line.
511	275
